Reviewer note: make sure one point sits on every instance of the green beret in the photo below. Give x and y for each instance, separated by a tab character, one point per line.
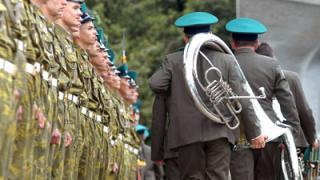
133	75
100	34
111	54
123	71
196	19
245	26
84	8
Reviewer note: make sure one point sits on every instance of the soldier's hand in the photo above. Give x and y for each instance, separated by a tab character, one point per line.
159	163
41	120
68	139
55	137
258	142
315	144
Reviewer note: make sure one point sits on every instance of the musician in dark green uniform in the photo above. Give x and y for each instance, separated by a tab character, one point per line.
261	71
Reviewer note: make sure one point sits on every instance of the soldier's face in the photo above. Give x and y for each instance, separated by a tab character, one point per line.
125	88
88	34
135	95
55	7
93	50
72	16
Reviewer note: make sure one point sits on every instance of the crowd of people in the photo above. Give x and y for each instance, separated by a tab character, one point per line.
67	111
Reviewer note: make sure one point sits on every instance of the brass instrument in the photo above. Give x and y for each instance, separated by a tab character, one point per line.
220	95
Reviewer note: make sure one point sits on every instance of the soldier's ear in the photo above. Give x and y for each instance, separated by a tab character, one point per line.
256	44
186	39
233	44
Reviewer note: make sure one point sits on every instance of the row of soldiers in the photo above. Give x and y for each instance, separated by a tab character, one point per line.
66	109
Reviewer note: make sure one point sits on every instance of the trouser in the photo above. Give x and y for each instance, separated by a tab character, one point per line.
22	157
242	165
205	160
41	144
57	151
7	121
172	169
267	162
72	127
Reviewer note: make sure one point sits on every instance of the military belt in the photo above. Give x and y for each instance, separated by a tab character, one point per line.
131	149
20	44
92	115
106	129
8	66
65	96
33	69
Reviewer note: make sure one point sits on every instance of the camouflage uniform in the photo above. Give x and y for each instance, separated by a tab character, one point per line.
7	102
20	167
61	48
43	38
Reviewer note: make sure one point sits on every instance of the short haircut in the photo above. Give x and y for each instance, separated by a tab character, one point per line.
265	49
245	43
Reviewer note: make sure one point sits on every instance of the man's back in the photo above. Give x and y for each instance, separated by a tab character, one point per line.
187	123
307	133
262	71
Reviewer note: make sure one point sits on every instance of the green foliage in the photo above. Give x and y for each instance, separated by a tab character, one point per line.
150	33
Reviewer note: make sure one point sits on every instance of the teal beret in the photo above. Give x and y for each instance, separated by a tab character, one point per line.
111	54
84	8
133	75
100	34
123	71
137	105
245	26
85	17
196	19
144	129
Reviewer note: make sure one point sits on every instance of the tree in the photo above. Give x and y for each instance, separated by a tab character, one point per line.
150	32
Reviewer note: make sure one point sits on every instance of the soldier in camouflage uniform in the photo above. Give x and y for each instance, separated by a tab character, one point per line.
86	39
21	161
67	28
7	100
43	15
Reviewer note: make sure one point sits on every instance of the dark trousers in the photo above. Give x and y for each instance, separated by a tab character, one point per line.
205	160
268	162
242	165
172	169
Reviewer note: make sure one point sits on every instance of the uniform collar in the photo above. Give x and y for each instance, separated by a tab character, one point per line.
244	50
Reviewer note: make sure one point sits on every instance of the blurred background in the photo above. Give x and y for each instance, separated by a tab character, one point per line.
293	32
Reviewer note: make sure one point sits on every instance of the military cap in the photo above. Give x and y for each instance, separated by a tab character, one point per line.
136	106
85	17
123	71
114	69
133	74
142	129
196	22
2	8
84	8
76	1
111	54
245	29
100	34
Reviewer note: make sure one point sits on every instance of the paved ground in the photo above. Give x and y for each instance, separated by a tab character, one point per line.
294	33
